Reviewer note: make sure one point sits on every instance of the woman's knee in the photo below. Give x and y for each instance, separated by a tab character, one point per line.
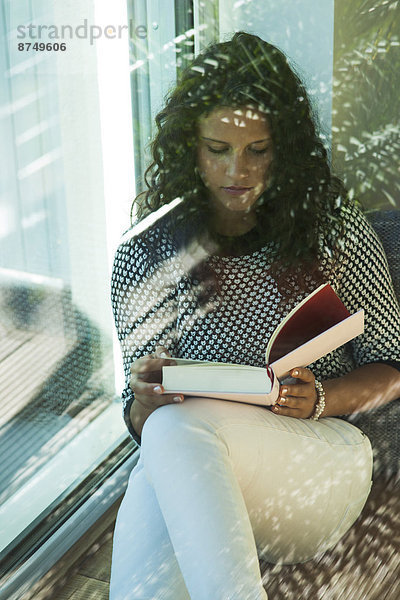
176	422
158	425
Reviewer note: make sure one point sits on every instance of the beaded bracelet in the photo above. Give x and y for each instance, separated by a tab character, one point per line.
320	404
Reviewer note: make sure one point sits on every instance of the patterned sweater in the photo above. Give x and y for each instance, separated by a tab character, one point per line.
155	302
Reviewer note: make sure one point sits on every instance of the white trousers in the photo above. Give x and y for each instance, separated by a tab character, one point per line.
219	484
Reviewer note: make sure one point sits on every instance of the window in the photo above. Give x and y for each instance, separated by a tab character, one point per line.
68	179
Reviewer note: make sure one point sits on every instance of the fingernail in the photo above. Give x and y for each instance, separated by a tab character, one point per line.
295	373
275	408
164	355
177	399
282	400
284	390
157	389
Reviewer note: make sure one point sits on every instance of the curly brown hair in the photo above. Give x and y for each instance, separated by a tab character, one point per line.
300	210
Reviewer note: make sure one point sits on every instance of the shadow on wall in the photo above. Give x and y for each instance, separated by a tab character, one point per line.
365	118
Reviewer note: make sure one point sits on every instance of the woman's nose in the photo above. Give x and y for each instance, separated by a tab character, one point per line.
237	166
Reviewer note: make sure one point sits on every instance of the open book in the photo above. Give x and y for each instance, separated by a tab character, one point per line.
319	324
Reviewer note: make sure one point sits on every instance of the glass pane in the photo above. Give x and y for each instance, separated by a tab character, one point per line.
59	223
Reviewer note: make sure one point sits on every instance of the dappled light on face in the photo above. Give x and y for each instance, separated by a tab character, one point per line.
233	159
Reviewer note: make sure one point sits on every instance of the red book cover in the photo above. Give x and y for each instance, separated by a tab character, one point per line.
319	312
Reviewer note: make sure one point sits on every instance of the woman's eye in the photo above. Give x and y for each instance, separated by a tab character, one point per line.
259	151
217	150
226	148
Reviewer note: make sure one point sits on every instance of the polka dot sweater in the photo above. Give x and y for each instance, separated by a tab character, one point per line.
155	302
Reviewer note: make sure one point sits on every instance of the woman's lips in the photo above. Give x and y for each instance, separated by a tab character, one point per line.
234	190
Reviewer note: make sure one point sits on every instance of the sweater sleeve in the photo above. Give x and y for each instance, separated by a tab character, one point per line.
365	282
143	297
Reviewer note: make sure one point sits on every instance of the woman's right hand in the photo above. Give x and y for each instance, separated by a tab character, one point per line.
145	382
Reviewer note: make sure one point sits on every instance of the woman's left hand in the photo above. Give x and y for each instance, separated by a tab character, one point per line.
297	399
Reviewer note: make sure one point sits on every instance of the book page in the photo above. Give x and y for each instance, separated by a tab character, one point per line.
225	378
208	363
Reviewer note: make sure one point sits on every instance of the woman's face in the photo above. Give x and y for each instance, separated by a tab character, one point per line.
234	155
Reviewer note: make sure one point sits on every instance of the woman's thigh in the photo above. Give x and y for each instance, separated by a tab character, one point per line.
304	482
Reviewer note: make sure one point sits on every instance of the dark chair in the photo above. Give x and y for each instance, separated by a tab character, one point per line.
382	425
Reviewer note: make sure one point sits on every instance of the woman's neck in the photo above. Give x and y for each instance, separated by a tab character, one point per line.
226	223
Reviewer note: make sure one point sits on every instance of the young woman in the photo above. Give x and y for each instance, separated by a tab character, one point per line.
260	222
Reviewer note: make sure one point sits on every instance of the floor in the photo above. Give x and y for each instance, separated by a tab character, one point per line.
365	565
89	580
